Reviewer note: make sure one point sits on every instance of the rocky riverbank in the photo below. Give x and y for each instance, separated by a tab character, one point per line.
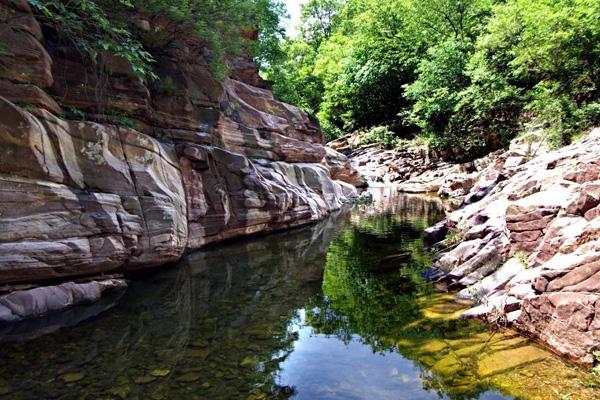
412	169
524	246
101	174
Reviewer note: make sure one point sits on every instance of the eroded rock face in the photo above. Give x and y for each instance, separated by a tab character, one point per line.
24	304
530	253
202	161
82	198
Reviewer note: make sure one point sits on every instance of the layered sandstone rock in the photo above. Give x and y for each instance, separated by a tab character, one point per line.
529	248
101	173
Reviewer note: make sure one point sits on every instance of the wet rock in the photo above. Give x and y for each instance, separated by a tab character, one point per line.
24	304
247	362
160	373
436	233
143	380
189	377
72	377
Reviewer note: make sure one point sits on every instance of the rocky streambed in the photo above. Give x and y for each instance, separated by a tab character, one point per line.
524	244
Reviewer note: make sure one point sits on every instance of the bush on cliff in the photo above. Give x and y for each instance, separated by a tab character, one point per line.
96	26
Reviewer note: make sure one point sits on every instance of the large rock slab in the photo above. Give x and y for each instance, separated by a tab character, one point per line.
91	198
229	195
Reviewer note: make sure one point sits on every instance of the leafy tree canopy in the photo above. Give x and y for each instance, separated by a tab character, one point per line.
465	74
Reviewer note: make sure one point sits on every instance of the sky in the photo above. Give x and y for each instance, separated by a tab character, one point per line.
293	7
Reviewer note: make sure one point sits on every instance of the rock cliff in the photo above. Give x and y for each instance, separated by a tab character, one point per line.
525	245
102	174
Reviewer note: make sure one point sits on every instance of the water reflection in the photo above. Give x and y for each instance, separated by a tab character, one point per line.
333	311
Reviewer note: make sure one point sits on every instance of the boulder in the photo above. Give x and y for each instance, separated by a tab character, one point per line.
23	304
436	233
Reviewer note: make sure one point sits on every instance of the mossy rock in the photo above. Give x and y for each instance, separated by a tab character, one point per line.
72	377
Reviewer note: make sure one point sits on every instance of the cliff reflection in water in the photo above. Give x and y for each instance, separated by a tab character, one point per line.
337	310
204	329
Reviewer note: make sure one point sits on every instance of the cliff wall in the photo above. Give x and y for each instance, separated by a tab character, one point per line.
103	174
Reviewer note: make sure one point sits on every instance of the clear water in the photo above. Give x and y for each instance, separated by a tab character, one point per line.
337	310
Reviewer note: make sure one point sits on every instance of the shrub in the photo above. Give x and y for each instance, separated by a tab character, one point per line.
166	85
380	135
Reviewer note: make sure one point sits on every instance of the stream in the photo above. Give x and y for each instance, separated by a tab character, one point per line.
336	310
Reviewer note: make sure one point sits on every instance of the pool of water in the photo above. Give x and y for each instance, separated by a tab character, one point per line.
337	310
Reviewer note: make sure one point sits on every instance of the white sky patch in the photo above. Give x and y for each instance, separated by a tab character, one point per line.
291	24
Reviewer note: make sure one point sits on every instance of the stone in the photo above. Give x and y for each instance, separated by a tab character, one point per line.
548	212
247	362
72	377
160	373
592	214
537	224
189	377
457	185
574	277
341	169
495	281
27	60
589	198
526	236
28	94
522	291
436	233
144	380
30	303
515	161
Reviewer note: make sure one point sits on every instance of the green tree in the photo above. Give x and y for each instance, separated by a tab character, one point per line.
319	17
468	74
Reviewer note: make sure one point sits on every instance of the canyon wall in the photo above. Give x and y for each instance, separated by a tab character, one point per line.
101	174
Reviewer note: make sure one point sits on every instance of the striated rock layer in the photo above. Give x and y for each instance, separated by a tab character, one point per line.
525	245
102	174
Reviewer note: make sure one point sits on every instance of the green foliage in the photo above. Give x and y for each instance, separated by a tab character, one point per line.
91	27
319	17
74	113
522	259
547	54
465	74
96	27
123	120
380	135
166	85
294	79
222	24
440	78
